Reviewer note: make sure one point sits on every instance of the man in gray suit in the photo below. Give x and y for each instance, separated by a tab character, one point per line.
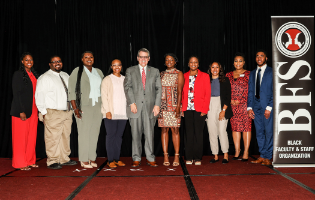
143	92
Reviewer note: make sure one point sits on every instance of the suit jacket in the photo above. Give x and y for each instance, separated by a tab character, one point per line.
202	91
266	89
135	93
225	97
22	95
85	86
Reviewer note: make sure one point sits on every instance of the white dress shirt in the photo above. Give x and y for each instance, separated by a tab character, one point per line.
263	68
50	92
141	68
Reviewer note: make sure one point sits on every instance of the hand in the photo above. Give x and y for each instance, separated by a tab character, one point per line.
156	110
43	119
203	114
23	116
232	102
133	108
177	112
109	115
267	114
251	114
236	102
77	113
221	115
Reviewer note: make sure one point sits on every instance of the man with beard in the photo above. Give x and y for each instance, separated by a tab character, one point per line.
52	102
260	103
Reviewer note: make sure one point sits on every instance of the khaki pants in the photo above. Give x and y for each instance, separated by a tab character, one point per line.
217	128
57	135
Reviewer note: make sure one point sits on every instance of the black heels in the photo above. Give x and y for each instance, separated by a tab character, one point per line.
236	158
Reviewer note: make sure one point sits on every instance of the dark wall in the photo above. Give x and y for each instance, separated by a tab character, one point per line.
212	30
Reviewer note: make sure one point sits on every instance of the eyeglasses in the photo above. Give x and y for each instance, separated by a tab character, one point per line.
57	61
117	66
143	57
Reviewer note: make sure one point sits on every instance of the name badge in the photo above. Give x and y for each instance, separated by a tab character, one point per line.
242	75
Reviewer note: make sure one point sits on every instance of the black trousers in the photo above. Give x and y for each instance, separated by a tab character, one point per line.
194	124
114	132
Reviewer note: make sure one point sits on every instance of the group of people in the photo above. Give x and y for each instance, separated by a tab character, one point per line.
143	96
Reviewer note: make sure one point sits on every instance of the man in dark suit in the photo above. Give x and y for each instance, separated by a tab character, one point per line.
260	103
143	92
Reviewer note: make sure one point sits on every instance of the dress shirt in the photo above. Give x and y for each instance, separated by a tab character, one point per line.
145	69
50	92
263	68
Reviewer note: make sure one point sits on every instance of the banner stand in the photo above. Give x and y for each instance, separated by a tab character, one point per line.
293	95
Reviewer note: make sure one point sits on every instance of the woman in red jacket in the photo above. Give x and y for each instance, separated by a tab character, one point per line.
195	103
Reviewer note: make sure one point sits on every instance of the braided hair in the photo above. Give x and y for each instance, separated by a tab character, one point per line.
22	68
78	84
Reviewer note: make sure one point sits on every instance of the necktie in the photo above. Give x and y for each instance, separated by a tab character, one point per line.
66	89
258	84
143	78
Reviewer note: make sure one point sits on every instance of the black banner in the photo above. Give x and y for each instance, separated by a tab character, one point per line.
293	73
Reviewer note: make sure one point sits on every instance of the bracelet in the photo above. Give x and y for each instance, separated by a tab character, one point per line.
223	109
75	109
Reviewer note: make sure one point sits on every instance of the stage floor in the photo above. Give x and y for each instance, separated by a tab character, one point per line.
235	180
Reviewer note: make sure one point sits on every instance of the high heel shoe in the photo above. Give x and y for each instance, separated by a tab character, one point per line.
92	164
236	158
166	163
175	164
85	166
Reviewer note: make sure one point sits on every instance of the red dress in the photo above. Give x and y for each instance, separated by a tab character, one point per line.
24	135
240	122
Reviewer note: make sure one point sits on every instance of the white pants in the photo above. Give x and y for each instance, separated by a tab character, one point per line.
217	128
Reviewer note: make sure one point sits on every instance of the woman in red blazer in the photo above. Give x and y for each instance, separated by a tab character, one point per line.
195	103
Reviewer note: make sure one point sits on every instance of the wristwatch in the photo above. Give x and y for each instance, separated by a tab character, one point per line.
223	109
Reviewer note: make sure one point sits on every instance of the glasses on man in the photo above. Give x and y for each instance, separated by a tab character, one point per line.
56	61
143	57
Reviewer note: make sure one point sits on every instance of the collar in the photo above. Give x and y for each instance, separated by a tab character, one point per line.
140	67
262	67
54	73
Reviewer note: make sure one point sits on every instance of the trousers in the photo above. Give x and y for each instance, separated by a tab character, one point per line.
216	128
57	135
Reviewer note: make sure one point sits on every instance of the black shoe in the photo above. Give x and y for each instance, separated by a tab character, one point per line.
244	160
225	161
70	162
213	160
236	158
54	166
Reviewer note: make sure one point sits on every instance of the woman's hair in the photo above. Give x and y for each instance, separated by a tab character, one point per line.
221	72
110	70
78	84
172	55
242	55
22	68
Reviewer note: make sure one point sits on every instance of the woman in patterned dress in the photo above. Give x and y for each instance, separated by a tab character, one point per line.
170	114
240	121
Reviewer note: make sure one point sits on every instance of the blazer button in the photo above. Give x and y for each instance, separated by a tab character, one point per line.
142	102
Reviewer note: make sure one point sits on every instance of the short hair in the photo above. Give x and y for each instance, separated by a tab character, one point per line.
261	50
86	52
53	57
172	55
193	57
143	50
242	55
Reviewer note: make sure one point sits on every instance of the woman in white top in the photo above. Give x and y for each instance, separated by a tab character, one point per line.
114	112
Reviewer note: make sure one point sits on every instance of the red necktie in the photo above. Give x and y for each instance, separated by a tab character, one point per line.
143	78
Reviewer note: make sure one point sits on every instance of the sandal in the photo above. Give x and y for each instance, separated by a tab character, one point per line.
33	165
166	163
198	163
24	169
189	162
175	164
